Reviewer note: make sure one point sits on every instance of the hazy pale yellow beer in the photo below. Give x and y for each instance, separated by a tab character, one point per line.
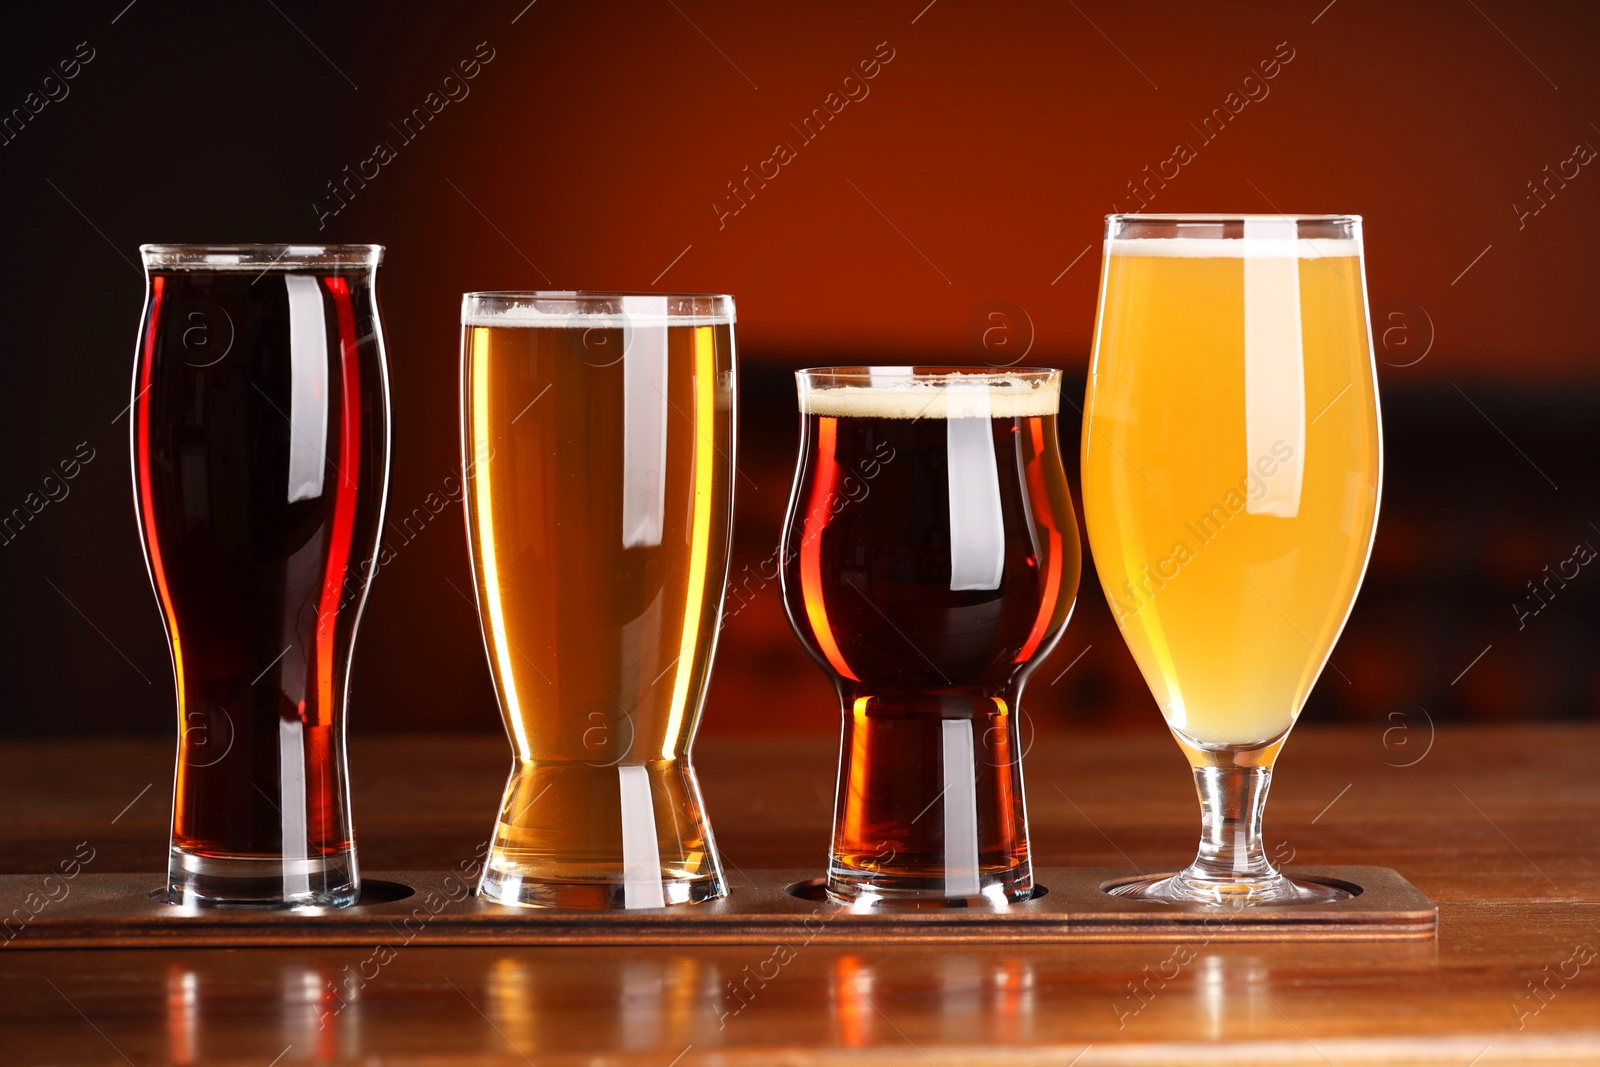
1230	489
598	445
1232	461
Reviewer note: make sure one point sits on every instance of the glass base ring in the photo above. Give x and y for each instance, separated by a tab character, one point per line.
1186	888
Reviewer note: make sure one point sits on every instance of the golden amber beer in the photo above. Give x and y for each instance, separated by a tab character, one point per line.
598	435
1231	469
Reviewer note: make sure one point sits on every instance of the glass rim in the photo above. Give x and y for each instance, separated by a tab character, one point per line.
1212	218
281	256
927	374
584	295
566	307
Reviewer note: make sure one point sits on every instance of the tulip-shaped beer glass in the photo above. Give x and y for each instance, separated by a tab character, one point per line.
260	424
598	434
1231	466
930	561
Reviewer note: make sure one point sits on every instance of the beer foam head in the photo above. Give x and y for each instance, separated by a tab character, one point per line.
589	311
1234	247
936	396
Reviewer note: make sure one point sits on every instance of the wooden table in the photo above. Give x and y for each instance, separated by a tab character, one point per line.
1500	826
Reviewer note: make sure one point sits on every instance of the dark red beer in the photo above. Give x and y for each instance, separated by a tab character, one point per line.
260	426
931	560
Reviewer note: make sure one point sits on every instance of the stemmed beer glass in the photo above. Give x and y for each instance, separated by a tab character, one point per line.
1232	458
930	562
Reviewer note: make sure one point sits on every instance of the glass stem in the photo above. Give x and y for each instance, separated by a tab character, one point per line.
1231	803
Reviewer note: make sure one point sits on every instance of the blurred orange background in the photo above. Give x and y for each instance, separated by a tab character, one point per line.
594	147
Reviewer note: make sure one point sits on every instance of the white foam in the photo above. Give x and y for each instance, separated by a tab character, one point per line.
1234	247
525	316
942	398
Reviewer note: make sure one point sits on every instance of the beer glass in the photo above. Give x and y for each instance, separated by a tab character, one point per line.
930	562
260	426
597	441
1232	458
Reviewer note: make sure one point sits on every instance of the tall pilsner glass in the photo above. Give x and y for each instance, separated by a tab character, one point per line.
260	425
597	437
930	563
1232	458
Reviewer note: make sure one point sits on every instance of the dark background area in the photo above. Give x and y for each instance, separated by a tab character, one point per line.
590	152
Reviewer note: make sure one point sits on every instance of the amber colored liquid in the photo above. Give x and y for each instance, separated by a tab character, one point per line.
927	673
1231	462
599	507
260	444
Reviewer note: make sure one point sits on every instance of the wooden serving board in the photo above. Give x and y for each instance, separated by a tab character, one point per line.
763	907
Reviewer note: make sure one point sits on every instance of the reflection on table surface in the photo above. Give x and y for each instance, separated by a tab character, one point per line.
221	1006
1512	858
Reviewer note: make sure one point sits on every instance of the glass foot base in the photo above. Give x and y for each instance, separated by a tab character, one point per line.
195	880
502	887
581	835
860	892
1186	887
